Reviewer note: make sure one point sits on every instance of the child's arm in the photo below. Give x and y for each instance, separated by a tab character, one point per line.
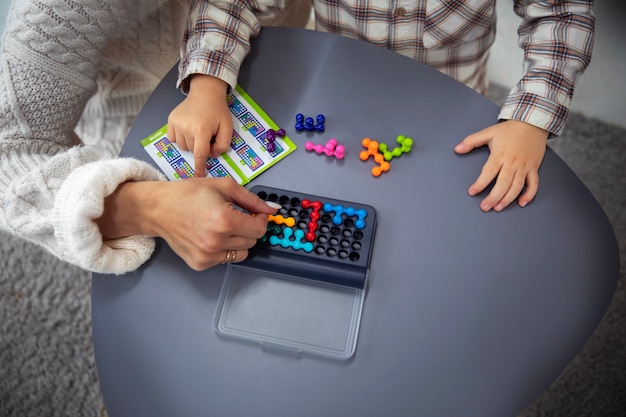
216	42
557	38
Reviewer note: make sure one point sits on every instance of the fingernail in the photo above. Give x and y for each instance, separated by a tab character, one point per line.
523	203
485	207
458	147
273	205
471	192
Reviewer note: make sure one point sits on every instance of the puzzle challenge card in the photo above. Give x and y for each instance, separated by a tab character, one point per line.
252	150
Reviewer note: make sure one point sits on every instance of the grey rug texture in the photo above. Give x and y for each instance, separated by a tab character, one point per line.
47	365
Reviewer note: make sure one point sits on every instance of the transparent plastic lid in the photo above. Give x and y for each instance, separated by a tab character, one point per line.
289	314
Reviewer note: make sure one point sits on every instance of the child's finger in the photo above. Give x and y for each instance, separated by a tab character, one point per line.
201	151
473	141
222	139
532	186
171	133
488	173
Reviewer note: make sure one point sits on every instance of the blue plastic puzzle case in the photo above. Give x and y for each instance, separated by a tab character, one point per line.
302	289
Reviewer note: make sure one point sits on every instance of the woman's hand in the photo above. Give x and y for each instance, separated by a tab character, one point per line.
202	219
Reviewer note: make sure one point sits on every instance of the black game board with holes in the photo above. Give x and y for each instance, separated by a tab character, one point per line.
315	237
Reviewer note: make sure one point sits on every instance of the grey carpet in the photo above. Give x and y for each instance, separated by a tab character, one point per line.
47	366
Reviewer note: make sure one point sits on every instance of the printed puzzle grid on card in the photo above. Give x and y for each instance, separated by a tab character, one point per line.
247	157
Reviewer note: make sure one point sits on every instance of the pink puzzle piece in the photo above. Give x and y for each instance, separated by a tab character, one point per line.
332	148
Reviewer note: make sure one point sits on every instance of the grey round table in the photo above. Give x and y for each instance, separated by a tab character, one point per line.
467	313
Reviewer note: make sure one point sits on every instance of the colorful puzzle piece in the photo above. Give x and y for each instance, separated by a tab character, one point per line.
272	230
332	148
312	226
371	147
295	243
349	212
405	146
279	219
270	136
303	123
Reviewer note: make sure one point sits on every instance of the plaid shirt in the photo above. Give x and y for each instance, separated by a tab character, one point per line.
453	36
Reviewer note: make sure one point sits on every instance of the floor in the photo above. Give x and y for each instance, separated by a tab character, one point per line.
594	384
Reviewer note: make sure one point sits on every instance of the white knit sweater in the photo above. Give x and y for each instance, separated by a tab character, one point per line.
85	66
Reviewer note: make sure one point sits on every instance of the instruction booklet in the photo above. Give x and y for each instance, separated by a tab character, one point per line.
250	153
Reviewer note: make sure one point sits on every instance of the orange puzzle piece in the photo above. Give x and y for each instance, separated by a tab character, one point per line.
372	150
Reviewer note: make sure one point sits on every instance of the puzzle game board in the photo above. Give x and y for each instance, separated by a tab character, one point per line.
321	238
250	153
302	288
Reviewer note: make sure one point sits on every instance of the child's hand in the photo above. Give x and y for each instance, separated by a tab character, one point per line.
516	152
202	122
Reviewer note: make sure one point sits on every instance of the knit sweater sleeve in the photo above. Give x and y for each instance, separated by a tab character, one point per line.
51	189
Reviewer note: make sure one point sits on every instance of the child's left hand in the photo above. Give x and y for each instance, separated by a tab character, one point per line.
516	152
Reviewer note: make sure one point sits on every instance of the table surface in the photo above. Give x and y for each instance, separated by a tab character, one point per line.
467	313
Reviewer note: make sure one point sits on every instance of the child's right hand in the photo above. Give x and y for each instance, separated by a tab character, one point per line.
202	123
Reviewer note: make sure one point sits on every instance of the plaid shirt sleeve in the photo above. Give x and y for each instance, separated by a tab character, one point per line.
453	36
557	39
217	38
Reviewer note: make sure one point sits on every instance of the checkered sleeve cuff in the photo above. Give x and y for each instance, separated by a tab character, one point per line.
535	110
211	63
